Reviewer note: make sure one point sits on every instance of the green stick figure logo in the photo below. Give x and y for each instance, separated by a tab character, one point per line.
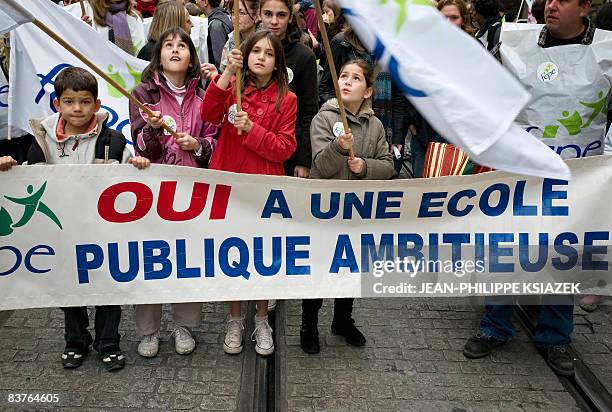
31	204
403	10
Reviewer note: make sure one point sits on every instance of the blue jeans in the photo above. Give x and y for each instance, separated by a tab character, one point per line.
555	322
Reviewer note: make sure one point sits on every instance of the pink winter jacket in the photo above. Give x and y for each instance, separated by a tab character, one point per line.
157	145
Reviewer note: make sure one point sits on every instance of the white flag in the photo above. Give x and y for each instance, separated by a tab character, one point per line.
12	15
36	60
462	91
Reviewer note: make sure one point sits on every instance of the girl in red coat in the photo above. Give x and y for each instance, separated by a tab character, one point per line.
267	140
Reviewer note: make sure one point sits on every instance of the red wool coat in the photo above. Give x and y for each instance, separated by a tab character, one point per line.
270	142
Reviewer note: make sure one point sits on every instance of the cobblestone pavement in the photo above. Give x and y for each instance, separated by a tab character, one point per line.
31	342
413	361
593	340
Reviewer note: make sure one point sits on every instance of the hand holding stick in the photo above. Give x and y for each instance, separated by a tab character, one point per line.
332	69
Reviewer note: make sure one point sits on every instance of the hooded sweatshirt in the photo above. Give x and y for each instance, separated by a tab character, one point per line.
329	160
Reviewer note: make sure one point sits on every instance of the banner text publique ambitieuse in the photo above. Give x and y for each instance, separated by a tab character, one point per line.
92	235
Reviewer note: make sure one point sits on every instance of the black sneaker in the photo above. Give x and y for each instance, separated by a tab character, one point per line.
559	360
350	332
113	361
73	357
480	346
309	340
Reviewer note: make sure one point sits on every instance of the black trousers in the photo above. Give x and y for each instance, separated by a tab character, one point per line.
343	309
106	327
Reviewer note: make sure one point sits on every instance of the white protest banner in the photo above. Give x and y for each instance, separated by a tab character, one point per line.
467	96
89	234
36	60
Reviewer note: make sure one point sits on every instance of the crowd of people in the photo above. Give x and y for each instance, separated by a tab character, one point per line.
287	125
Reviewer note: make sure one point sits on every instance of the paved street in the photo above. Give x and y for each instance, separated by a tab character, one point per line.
412	361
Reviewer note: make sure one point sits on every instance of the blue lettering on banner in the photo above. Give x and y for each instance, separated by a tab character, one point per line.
157	260
566	250
19	258
276	203
4	90
293	254
369	252
344	255
524	249
495	251
588	263
495	200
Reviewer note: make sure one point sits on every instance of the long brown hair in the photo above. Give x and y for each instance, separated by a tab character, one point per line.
463	10
155	65
167	14
279	75
100	8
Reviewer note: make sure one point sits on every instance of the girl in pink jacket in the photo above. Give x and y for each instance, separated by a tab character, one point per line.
171	89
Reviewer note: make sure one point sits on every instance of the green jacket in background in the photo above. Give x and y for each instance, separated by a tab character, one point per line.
329	160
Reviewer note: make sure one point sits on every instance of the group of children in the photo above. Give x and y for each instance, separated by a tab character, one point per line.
266	137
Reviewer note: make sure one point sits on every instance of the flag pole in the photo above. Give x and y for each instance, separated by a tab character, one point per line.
237	46
100	73
332	69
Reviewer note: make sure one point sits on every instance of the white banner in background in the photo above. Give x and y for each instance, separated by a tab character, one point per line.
36	60
93	235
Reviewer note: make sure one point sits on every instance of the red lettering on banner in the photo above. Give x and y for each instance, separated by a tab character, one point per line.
220	200
106	203
165	202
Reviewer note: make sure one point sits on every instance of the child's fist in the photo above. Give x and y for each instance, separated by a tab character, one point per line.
139	162
6	162
243	122
356	165
156	120
234	61
346	140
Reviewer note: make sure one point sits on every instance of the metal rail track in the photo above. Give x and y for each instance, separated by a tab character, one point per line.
584	386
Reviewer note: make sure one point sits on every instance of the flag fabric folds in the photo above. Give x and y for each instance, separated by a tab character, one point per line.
462	91
12	15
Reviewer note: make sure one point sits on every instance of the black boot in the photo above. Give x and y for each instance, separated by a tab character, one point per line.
309	339
346	327
309	332
480	345
559	360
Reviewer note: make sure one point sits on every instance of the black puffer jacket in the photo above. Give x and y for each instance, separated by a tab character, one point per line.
303	82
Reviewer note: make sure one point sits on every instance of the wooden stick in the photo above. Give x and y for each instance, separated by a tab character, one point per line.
237	46
82	8
100	73
332	69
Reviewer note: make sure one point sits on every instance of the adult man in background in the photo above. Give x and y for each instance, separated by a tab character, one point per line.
565	65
